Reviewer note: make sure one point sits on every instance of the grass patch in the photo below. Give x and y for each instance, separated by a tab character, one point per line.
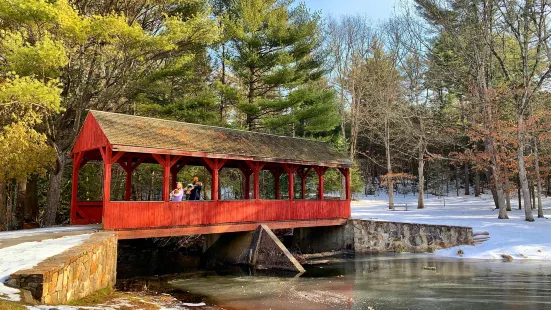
10	305
108	296
98	297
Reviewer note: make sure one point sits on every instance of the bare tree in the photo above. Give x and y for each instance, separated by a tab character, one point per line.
349	39
466	27
526	23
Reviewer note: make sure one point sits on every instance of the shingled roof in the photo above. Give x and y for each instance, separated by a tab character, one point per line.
128	132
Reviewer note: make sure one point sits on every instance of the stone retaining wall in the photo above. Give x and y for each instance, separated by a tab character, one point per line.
375	236
366	236
73	274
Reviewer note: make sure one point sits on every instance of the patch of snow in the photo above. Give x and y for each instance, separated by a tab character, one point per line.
29	254
515	236
38	231
189	304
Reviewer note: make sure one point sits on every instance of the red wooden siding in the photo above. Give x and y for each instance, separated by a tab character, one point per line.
157	214
87	212
91	136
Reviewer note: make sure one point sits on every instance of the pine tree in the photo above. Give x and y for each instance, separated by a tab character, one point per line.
273	50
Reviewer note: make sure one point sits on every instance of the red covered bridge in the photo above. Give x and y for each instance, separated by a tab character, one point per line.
129	141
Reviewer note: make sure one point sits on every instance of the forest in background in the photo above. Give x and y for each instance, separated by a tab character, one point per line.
443	91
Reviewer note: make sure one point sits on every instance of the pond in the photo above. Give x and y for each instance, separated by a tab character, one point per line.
393	281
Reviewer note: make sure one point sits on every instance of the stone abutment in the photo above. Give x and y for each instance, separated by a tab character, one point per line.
71	275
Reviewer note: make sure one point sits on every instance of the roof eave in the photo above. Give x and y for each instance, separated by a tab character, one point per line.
151	150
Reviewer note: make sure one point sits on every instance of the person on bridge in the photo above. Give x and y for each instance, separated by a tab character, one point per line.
177	193
188	191
196	190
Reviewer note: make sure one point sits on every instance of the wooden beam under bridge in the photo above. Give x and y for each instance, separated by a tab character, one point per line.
222	228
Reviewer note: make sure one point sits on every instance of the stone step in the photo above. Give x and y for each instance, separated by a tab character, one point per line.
481	238
481	233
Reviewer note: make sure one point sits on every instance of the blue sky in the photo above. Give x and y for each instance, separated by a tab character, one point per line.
375	9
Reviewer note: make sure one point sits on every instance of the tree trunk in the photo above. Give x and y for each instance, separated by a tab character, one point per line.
10	205
467	180
519	195
53	198
457	181
508	195
421	177
548	185
250	98
533	195
390	183
522	170
20	204
31	200
477	184
497	190
3	206
538	178
223	81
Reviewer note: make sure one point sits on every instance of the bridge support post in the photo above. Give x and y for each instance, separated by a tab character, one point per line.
323	239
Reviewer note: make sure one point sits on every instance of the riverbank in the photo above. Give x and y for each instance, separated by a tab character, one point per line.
515	237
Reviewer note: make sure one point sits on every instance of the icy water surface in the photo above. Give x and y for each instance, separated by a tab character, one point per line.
383	282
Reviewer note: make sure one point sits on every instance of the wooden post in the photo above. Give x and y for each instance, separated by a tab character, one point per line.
167	162
128	183
107	182
256	166
303	174
74	186
320	171
166	179
276	172
129	167
173	178
214	185
214	165
291	169
247	176
106	154
346	173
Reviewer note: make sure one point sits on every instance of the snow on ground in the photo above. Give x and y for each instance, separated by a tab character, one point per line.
515	236
29	254
39	231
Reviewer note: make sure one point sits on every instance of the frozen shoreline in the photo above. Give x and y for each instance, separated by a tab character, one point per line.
515	236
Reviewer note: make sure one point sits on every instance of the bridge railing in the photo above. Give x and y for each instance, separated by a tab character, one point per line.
119	215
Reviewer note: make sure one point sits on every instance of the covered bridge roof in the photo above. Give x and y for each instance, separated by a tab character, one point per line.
151	135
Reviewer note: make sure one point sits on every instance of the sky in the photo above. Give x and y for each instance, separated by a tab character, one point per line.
375	9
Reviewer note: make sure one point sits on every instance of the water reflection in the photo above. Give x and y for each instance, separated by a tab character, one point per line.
383	282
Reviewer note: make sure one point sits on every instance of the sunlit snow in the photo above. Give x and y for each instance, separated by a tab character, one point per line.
515	236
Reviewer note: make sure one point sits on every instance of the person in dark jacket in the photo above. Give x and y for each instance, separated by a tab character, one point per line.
196	190
198	187
188	191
